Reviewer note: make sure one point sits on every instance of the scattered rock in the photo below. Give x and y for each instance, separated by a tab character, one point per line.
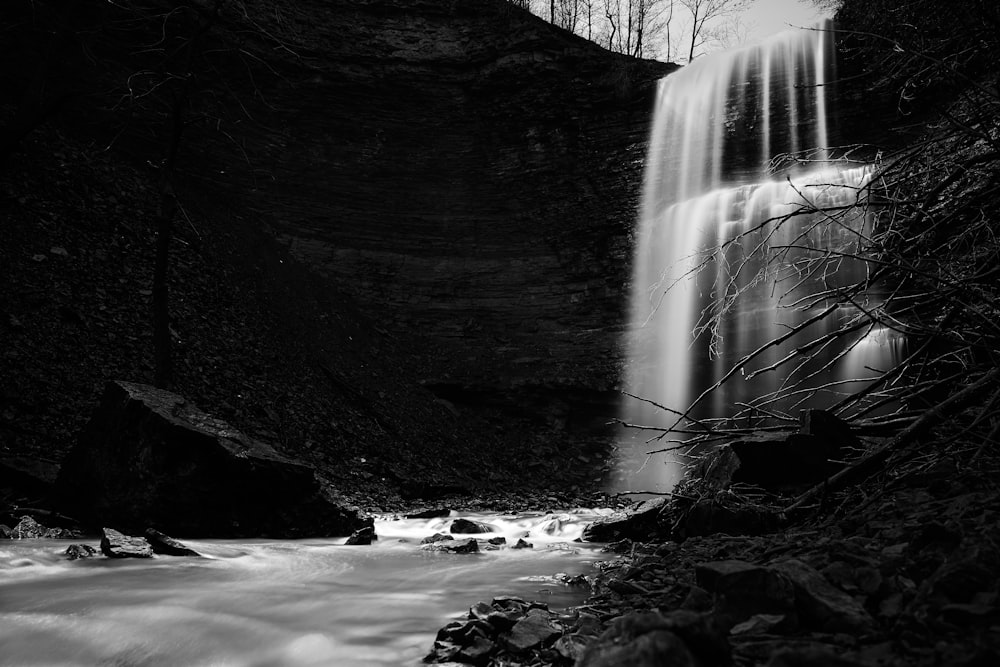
517	626
362	536
79	551
469	527
436	537
497	540
117	545
521	544
148	456
167	546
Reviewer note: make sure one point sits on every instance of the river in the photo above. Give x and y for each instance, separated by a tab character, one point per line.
275	603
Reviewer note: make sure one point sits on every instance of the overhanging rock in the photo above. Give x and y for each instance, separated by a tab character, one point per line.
148	459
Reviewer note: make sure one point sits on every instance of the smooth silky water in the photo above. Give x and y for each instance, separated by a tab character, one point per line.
275	603
697	309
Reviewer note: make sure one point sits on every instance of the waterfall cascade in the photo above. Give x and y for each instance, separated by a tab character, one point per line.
733	253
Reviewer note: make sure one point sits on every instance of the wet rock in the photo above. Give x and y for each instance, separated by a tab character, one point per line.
79	551
148	456
637	523
572	579
469	546
116	545
521	544
6	532
535	629
436	537
822	606
167	546
362	536
27	529
497	541
469	527
477	652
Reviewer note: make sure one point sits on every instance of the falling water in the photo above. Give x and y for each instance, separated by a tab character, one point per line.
726	261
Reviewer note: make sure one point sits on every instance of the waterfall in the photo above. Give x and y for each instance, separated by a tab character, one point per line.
725	261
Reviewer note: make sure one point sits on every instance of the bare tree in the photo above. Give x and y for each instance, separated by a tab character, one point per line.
631	26
705	13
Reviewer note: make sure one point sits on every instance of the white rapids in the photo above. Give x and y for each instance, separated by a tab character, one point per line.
266	603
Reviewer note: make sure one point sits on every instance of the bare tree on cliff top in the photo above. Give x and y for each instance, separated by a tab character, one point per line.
632	25
705	13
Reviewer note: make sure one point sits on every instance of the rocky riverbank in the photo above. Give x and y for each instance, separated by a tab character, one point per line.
901	570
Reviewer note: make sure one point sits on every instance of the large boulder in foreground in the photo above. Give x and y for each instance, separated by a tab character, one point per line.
149	458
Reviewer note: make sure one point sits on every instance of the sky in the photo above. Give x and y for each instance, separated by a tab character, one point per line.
766	17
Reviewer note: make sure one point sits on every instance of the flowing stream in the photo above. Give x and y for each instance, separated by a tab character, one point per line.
270	603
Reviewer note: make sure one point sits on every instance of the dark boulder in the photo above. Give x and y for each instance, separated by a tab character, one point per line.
742	590
362	536
470	546
820	604
521	544
148	457
167	546
469	527
807	456
535	629
436	537
651	639
640	522
79	551
117	545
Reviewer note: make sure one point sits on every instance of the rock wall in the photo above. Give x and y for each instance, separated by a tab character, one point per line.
464	170
460	179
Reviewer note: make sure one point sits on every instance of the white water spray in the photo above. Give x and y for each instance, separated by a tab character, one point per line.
726	257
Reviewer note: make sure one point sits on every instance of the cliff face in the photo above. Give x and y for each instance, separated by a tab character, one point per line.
459	178
466	172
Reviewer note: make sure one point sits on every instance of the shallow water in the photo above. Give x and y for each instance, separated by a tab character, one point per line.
280	603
